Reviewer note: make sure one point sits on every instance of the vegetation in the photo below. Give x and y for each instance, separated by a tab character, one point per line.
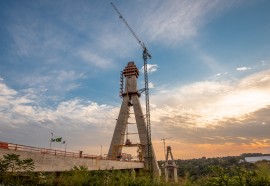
81	176
225	171
196	168
13	170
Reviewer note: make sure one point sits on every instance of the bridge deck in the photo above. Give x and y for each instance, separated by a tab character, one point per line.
47	160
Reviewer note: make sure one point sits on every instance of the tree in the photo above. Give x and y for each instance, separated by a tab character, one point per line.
13	163
12	167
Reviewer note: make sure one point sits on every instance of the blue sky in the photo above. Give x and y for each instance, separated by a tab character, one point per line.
60	63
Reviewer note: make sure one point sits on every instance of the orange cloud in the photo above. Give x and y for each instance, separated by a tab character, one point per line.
189	150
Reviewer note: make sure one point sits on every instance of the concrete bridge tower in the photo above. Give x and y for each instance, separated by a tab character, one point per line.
170	166
130	97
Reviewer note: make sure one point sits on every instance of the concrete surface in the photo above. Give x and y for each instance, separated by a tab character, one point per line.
54	163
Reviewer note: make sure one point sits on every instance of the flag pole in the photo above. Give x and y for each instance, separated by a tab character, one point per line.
51	141
101	151
64	143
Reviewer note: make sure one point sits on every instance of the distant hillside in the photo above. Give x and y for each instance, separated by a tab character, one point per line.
199	167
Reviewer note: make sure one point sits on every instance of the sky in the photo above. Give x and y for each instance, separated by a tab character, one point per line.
209	75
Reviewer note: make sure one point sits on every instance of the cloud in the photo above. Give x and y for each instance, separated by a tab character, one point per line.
211	121
35	37
174	21
55	82
73	119
232	136
6	91
151	85
214	101
74	110
150	68
70	36
198	114
243	68
94	59
169	22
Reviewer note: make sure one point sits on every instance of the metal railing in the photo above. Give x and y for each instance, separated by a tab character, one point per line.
25	148
17	147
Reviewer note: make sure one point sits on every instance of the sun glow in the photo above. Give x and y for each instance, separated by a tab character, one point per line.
237	104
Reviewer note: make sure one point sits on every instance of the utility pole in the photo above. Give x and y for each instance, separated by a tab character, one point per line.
164	139
101	151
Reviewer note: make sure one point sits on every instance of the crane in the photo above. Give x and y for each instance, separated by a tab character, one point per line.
146	55
164	139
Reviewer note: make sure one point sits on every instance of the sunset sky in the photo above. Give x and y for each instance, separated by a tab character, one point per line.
60	64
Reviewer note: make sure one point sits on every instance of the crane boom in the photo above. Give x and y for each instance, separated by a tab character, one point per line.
132	32
130	29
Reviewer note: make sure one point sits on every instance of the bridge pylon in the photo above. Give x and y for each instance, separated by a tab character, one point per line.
170	166
130	98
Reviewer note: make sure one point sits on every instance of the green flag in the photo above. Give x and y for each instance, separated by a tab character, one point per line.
56	139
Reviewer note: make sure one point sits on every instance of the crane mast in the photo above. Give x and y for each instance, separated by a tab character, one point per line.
145	57
164	139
